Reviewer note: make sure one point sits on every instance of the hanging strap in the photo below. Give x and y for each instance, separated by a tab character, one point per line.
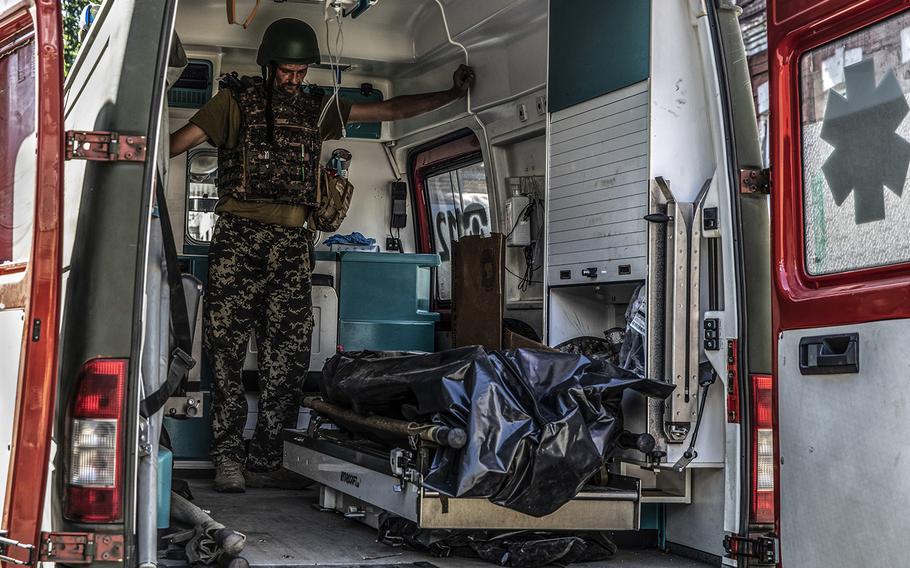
232	13
181	360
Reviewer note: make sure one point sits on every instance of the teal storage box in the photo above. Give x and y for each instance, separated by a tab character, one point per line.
387	336
384	301
165	467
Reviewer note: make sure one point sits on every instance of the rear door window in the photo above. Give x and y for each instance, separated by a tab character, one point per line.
856	149
17	136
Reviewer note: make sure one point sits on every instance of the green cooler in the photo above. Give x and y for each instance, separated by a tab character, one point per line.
384	301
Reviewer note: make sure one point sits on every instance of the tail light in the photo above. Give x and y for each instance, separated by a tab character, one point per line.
763	458
94	472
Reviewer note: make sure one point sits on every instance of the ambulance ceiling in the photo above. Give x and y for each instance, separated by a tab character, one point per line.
386	40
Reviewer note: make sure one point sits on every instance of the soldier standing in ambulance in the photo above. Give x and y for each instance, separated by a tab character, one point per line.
269	142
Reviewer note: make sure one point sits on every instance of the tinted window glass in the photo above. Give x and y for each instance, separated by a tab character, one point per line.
17	147
459	205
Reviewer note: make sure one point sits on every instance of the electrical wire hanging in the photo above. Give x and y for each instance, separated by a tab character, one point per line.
530	251
520	277
535	208
334	11
467	61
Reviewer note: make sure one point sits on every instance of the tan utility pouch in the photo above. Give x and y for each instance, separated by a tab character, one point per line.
333	199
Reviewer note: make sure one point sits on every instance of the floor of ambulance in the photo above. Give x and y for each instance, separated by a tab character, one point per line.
284	530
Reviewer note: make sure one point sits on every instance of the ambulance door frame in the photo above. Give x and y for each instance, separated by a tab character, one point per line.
34	418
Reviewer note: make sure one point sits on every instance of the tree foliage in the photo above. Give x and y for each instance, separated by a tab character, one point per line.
71	41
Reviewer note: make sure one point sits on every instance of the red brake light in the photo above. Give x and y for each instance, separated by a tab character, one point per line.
94	465
761	396
93	504
100	393
764	461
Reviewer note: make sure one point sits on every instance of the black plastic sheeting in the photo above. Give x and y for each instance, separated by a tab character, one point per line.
524	549
539	423
591	347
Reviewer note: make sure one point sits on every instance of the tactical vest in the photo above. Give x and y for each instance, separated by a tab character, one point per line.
281	171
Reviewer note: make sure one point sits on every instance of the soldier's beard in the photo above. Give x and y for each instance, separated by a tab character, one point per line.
288	88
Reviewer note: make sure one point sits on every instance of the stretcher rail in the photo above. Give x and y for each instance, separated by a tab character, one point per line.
441	435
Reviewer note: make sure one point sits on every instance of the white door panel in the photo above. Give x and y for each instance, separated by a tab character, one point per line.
844	452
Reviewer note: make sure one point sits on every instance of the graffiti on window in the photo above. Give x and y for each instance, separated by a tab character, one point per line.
459	205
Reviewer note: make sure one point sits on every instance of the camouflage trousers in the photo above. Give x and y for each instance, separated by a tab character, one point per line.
259	281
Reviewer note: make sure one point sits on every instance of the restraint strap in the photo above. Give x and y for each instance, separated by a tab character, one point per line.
181	360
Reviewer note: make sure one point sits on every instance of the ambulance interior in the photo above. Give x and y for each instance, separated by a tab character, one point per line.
585	118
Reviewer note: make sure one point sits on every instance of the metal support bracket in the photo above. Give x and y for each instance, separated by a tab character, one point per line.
187	406
65	547
80	548
400	462
677	267
675	237
145	446
105	146
754	181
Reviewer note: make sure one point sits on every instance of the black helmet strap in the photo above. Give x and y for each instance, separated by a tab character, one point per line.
268	77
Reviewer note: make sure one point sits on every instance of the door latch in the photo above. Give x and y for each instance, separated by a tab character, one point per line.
105	146
761	548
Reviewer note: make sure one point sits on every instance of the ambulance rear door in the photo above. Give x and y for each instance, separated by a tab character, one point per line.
31	168
840	85
93	164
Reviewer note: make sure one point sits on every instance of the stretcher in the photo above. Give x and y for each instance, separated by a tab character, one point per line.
364	479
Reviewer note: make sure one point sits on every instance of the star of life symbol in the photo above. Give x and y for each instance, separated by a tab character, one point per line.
868	153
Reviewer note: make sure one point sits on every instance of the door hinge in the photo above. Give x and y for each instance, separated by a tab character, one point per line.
80	548
754	181
105	146
761	548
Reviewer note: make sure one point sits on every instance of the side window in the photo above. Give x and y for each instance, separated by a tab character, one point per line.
201	195
17	137
856	149
459	205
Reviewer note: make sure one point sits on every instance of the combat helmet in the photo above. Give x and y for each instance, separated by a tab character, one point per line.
288	40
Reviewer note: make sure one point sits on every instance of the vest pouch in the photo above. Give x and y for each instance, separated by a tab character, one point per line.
281	169
333	199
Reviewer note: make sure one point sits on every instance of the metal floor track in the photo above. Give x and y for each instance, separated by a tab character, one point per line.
284	530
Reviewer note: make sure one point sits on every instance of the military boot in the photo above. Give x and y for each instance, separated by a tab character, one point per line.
229	476
278	479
